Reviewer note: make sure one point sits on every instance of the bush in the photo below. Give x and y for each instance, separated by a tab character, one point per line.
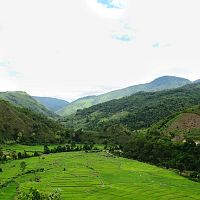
35	194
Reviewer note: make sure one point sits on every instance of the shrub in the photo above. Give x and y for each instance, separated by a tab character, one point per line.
35	194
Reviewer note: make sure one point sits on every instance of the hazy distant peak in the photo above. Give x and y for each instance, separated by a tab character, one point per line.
161	83
197	81
169	79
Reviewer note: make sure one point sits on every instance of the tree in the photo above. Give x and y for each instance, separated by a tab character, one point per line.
23	166
35	194
46	149
1	153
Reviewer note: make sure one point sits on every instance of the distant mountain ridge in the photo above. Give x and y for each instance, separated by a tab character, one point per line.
24	100
138	111
52	104
197	81
161	83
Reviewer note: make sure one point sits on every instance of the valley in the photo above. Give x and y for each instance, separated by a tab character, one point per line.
99	100
142	146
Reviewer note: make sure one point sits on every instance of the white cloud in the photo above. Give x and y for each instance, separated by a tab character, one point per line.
66	48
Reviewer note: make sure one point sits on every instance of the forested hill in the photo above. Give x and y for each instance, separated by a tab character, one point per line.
138	111
181	126
23	126
22	99
165	82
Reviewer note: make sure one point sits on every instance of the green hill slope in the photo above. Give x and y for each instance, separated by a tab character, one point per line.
24	126
94	176
138	111
165	82
52	104
81	103
22	99
182	126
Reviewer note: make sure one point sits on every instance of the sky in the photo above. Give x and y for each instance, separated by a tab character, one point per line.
74	48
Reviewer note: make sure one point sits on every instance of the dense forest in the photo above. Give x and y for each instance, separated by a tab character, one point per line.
157	149
138	111
21	125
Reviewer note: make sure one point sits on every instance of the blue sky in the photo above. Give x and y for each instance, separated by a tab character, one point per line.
123	38
69	49
110	4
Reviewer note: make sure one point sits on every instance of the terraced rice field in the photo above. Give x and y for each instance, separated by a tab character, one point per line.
21	148
97	176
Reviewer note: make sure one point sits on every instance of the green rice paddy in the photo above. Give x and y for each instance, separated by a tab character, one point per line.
81	175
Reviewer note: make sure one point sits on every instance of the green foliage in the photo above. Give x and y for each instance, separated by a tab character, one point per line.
142	109
157	149
24	126
46	149
23	166
35	194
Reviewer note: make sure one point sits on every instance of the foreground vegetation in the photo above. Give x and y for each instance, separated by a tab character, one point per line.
80	175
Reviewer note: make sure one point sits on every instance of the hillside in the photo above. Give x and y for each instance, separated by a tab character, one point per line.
137	111
162	83
24	100
52	104
93	176
81	103
197	81
24	126
184	125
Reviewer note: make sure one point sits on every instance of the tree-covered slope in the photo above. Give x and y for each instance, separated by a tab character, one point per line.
162	83
22	99
24	126
137	111
52	104
81	103
181	126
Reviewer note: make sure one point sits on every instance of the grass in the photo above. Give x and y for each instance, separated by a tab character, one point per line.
97	176
39	148
21	148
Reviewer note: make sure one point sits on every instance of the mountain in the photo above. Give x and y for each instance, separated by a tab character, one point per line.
81	103
22	99
24	126
52	104
138	111
197	81
162	83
